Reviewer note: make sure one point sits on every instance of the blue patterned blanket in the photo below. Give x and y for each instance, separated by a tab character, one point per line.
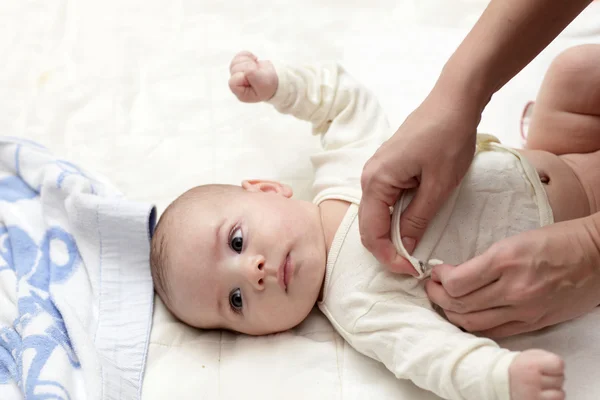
75	287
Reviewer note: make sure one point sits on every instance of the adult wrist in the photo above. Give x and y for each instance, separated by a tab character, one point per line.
466	85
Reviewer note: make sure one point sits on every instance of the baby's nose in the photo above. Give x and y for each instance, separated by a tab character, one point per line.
255	272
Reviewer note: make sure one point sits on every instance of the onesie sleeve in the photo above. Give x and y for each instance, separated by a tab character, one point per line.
348	118
416	343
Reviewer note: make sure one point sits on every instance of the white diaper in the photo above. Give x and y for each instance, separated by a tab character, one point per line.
500	196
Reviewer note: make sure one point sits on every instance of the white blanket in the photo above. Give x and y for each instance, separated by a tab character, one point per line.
75	291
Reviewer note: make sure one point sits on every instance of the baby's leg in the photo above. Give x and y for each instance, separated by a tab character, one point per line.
536	374
566	114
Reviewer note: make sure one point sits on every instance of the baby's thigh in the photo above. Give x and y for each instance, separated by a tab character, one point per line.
566	114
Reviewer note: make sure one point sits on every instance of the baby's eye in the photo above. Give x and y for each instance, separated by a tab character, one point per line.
236	242
235	300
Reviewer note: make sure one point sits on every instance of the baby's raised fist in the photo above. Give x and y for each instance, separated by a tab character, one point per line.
252	80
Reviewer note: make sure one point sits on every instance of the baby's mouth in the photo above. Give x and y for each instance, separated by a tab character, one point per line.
283	273
288	271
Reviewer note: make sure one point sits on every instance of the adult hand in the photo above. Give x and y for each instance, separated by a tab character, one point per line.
431	151
434	146
525	282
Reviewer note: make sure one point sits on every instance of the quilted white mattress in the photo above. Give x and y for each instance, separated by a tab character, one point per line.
137	90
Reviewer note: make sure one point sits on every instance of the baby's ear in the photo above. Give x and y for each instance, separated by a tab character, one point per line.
258	185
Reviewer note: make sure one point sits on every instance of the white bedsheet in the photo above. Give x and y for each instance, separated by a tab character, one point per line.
137	91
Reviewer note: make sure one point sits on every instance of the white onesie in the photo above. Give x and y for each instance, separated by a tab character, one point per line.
387	316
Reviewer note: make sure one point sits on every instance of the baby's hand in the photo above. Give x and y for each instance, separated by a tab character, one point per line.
252	80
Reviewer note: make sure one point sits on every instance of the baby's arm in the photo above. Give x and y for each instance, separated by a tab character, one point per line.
415	343
323	94
348	117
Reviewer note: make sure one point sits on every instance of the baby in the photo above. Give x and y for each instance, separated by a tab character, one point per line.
253	259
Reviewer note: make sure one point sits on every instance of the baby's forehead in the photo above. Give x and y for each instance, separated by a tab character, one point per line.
208	205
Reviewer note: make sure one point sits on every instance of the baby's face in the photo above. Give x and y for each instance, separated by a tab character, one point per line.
251	261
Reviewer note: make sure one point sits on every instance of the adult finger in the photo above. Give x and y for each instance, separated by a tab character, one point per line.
489	296
509	329
467	277
481	321
394	261
428	199
374	220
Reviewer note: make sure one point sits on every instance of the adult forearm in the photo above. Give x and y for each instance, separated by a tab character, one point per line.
508	35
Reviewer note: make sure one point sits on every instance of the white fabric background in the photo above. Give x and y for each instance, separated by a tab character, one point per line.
137	90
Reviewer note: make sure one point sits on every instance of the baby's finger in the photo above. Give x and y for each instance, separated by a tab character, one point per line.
240	59
242	89
238	79
246	53
244	66
242	55
238	84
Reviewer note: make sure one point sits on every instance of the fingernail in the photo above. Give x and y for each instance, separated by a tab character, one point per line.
409	244
434	276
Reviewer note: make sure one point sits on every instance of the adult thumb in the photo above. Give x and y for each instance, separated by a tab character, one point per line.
419	213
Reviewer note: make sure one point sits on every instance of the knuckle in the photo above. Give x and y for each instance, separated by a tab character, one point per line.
497	251
462	321
532	315
369	172
560	364
513	296
503	255
455	319
468	325
416	222
457	306
446	301
452	286
434	186
365	239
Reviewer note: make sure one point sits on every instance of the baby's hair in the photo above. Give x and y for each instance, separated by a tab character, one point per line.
161	240
159	256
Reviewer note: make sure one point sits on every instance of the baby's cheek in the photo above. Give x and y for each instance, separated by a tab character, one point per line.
284	315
